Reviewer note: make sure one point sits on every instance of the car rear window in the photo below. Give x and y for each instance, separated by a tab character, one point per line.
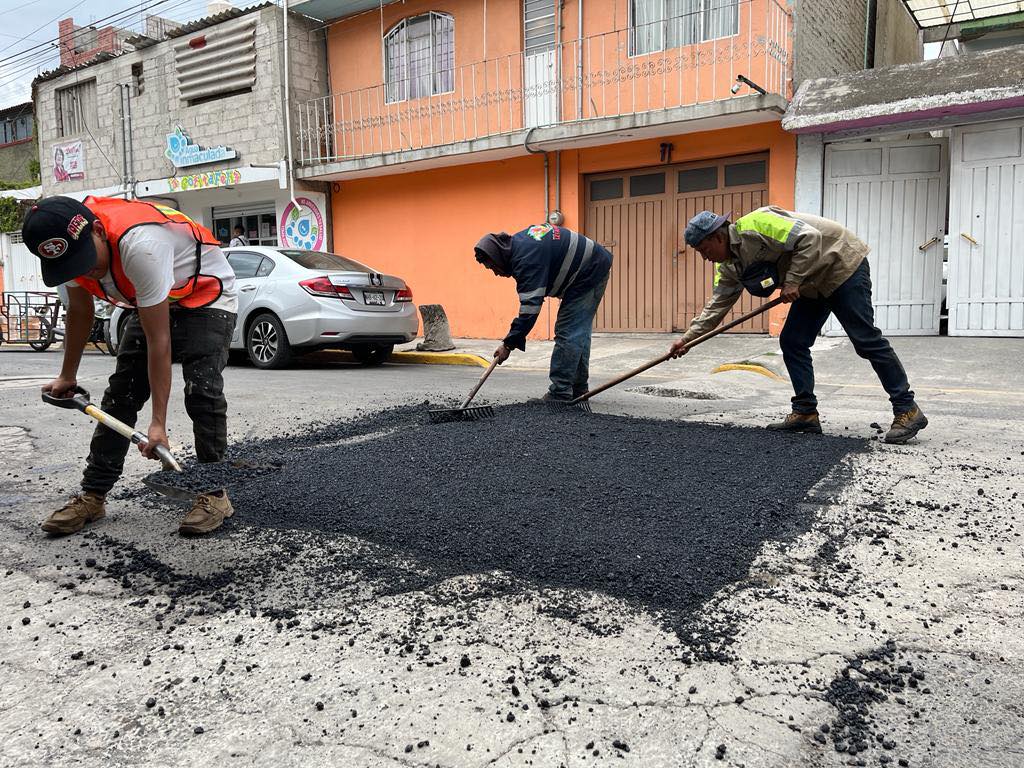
320	260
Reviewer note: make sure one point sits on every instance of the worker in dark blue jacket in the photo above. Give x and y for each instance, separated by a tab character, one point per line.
552	261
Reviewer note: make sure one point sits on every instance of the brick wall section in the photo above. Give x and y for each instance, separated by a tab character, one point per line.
107	41
251	123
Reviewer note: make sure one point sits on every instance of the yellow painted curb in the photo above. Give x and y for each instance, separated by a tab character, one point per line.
440	358
748	367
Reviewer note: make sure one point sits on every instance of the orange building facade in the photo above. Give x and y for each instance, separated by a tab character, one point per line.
453	118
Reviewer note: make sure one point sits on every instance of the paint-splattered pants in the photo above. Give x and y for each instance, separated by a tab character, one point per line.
199	341
570	359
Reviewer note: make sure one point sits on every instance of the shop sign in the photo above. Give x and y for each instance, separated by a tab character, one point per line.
207	180
183	152
301	227
68	161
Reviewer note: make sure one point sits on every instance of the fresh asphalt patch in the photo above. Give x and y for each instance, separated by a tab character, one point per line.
657	514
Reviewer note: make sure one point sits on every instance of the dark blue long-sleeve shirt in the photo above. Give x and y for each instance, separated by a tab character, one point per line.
548	261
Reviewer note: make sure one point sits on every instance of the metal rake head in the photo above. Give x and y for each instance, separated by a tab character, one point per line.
443	415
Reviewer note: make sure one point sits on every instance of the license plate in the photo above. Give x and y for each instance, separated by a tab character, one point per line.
373	297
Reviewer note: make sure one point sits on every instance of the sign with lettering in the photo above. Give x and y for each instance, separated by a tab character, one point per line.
68	161
206	180
183	152
302	227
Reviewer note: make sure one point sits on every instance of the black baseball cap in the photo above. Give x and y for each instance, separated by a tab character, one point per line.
58	230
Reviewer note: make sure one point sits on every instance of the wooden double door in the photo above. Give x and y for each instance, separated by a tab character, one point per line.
658	283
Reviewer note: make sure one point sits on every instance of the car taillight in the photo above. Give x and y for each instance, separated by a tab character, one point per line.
322	286
404	295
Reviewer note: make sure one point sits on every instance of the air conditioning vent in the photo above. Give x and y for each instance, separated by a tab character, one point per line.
224	65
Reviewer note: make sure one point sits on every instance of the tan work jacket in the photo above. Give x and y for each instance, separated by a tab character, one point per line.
816	254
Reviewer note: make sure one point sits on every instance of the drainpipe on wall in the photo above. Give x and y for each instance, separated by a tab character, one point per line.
579	60
131	143
870	20
526	146
288	114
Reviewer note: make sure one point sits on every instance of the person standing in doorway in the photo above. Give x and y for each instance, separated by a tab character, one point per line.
239	239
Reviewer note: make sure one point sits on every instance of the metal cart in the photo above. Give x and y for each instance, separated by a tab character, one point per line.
29	317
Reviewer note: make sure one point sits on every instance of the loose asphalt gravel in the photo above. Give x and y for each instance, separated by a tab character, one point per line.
659	514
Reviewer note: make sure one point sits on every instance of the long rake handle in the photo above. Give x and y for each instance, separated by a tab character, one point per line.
690	345
472	394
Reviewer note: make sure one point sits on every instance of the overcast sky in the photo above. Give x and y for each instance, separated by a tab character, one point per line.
27	28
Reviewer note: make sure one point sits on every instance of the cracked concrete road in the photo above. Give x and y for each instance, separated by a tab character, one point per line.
891	628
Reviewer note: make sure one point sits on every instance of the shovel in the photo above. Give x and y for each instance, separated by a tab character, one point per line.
80	402
465	413
690	345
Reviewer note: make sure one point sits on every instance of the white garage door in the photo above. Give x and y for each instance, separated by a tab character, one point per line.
893	195
986	231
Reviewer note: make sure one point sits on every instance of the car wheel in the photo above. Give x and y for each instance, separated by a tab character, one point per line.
267	343
372	354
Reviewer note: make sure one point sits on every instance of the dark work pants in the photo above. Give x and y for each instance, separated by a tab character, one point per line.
851	304
199	341
570	359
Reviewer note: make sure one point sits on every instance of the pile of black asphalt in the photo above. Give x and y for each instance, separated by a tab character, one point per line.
659	514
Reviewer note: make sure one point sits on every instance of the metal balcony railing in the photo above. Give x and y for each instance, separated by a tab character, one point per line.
658	65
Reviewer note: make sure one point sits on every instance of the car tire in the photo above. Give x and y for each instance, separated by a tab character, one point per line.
267	343
372	354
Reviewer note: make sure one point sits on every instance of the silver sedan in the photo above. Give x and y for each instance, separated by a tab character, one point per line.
292	301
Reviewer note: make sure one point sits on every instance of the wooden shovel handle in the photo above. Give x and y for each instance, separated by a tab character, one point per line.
472	394
690	345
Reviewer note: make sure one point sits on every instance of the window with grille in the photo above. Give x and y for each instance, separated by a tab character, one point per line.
419	57
76	108
657	25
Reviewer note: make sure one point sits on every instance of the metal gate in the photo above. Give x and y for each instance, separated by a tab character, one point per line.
893	196
986	227
658	284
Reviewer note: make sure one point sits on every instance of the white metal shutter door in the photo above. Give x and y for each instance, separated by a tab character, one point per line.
893	195
986	231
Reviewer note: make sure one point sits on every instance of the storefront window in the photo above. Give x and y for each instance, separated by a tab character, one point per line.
258	224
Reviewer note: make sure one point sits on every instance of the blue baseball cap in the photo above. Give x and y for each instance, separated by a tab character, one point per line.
702	225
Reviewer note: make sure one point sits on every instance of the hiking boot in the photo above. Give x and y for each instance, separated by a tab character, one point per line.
208	514
83	508
798	422
905	426
550	399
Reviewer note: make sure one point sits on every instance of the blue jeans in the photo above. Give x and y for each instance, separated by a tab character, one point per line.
570	359
851	304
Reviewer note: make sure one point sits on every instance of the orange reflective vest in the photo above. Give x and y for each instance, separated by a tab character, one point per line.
121	216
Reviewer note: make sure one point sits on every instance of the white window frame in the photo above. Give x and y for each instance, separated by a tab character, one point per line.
707	7
441	80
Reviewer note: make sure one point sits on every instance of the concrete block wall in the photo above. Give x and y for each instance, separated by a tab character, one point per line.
250	123
828	38
14	162
897	38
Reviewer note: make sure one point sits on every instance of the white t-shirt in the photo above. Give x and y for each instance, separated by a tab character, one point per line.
157	257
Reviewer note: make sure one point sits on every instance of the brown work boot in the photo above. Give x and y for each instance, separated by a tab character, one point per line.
798	422
83	508
905	426
208	514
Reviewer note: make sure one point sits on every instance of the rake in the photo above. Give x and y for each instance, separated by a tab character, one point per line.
582	399
464	412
